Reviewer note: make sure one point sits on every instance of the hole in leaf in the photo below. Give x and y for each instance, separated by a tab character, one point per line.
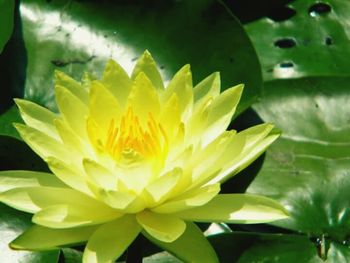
284	69
281	14
328	41
319	9
285	43
287	64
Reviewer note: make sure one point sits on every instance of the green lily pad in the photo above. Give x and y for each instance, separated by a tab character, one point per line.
6	21
307	169
314	41
6	122
244	247
13	223
75	36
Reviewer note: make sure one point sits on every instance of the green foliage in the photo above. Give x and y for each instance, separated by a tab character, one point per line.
303	48
6	21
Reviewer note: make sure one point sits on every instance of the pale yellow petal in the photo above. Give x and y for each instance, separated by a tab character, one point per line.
33	199
193	198
43	238
100	175
103	106
117	81
69	174
162	187
143	98
236	208
44	145
37	117
69	216
207	88
62	79
148	66
181	85
220	113
111	240
15	179
165	228
73	111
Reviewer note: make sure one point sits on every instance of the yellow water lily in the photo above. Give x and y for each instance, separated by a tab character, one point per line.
129	156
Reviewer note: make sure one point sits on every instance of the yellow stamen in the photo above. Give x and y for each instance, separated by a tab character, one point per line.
129	135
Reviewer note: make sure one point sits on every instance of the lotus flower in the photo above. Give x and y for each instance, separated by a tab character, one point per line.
129	156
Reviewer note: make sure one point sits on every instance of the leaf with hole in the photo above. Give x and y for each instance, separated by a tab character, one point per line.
314	41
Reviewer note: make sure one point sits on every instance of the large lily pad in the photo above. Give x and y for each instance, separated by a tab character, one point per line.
12	223
313	40
308	168
6	21
74	36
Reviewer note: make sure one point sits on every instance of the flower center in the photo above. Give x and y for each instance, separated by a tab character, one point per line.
130	141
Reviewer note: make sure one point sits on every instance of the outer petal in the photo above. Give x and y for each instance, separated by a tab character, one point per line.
165	228
191	246
189	200
42	144
207	88
147	65
62	79
16	179
38	117
33	199
42	238
220	113
117	81
111	240
69	174
68	216
73	110
70	138
181	85
236	208
248	154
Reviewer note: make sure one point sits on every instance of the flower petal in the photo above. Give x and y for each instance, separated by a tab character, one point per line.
43	238
181	85
100	175
43	144
207	88
162	187
103	106
220	112
189	200
15	179
237	209
70	138
111	240
191	246
170	116
33	199
72	109
117	81
62	79
143	98
69	174
68	216
165	228
147	65
38	117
